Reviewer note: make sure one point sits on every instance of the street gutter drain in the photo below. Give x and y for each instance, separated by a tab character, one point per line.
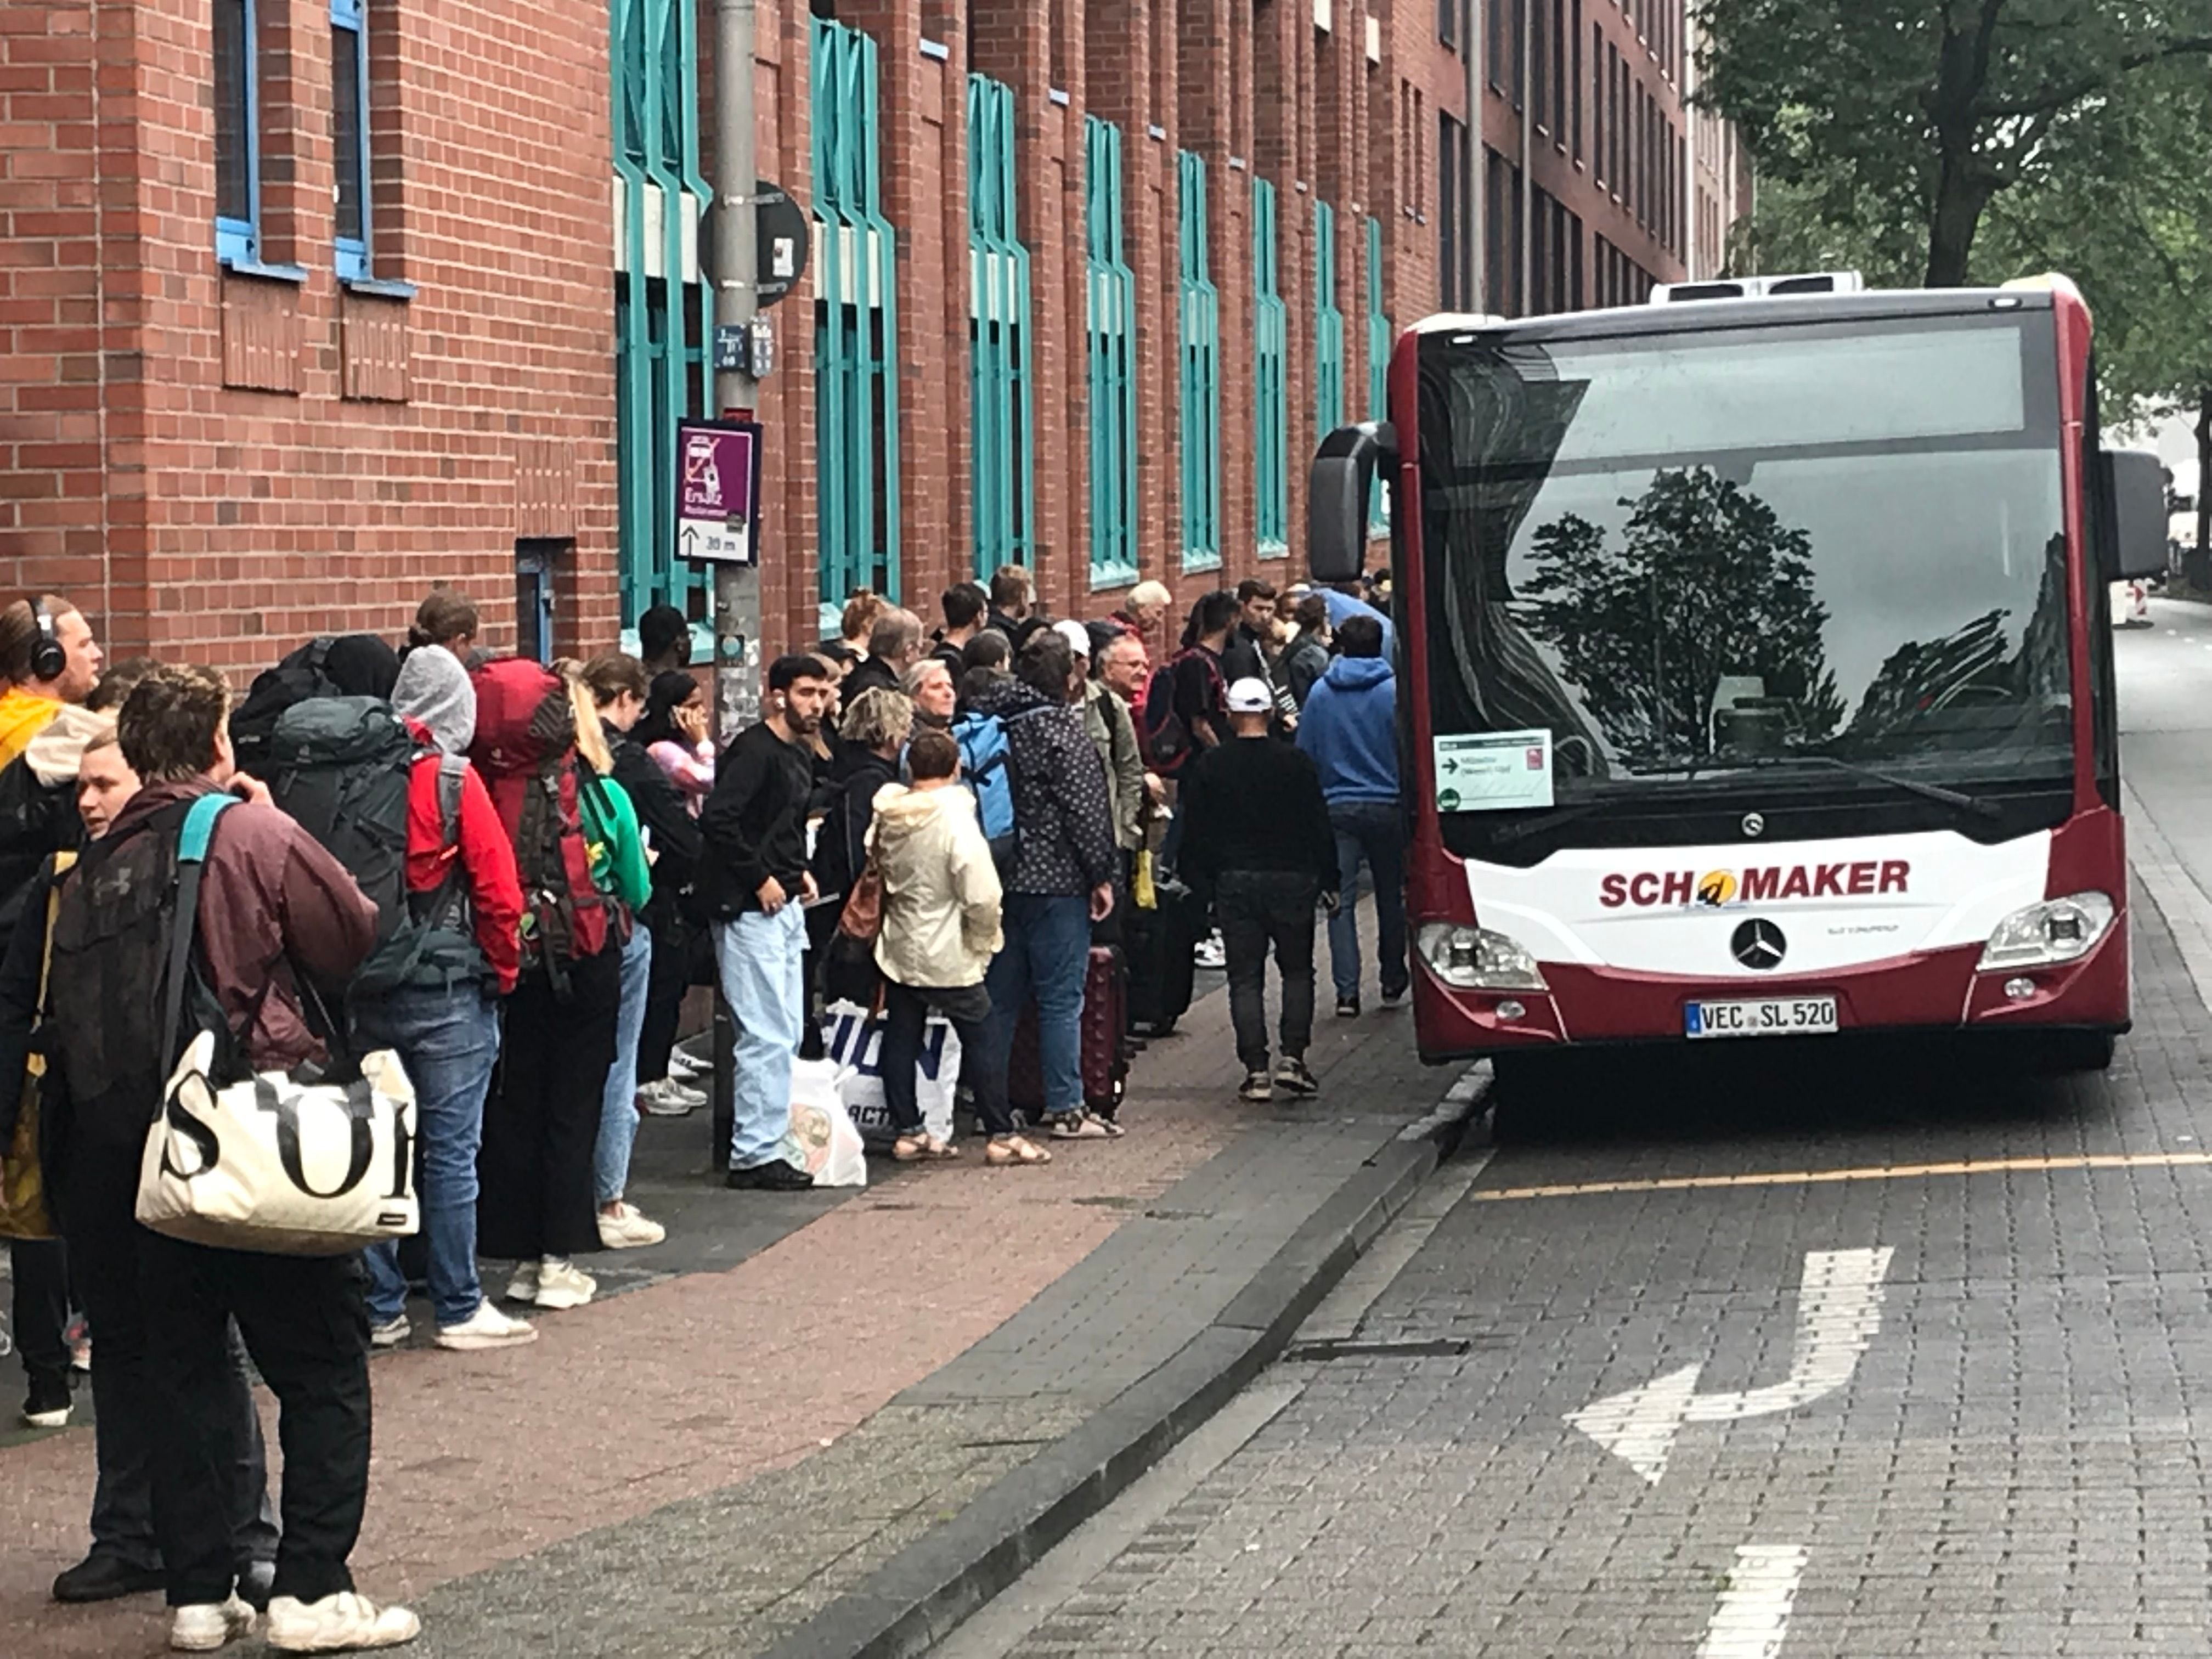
1322	1352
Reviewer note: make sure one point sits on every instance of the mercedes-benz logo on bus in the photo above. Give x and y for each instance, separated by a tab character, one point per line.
1758	945
1754	825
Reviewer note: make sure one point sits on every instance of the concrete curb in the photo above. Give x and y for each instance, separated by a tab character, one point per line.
917	1597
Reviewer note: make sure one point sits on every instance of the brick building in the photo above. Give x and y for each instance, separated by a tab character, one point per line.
309	303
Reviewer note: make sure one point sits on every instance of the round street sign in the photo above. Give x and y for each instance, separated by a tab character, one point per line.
780	229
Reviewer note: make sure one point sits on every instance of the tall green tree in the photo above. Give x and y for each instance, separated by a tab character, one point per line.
1899	112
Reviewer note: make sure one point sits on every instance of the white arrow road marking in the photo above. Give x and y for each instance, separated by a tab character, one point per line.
1753	1615
1839	1311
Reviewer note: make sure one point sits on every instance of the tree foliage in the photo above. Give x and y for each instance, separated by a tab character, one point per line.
1706	581
1892	114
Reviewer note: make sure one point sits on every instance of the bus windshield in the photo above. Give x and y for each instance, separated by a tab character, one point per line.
1685	556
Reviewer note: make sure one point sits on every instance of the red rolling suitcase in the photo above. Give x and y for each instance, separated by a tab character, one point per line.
1105	1018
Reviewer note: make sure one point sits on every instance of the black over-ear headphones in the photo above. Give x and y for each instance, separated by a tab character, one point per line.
48	659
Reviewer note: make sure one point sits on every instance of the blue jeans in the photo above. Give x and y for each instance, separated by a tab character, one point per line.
618	1109
1372	830
1047	950
447	1040
759	959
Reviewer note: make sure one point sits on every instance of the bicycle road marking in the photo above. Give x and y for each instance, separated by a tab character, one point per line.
1872	1172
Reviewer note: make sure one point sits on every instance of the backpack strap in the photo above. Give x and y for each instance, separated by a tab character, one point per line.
192	859
452	771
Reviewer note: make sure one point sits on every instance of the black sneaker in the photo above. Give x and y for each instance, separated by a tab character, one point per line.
1348	1007
47	1405
1292	1079
1391	999
1255	1086
774	1176
101	1577
256	1579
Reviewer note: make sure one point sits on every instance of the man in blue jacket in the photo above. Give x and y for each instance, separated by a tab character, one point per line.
1350	728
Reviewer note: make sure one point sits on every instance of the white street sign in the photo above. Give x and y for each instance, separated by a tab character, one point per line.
1839	1311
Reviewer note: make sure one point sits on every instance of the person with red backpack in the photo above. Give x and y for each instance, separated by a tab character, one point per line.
542	1123
441	1014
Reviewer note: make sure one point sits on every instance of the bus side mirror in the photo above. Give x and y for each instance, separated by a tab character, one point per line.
1336	498
2135	485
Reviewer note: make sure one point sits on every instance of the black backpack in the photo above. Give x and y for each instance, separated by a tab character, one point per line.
341	767
300	676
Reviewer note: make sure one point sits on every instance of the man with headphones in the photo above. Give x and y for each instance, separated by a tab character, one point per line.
49	655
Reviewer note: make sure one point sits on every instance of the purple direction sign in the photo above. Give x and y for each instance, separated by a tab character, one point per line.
718	491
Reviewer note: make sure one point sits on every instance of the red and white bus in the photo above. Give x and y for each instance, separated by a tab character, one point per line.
1755	670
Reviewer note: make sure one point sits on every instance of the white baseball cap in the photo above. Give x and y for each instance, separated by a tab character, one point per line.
1250	695
1077	635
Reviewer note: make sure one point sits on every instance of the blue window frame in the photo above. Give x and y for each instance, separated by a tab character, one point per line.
349	137
237	133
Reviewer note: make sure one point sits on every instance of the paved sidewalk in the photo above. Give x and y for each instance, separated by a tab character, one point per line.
795	1389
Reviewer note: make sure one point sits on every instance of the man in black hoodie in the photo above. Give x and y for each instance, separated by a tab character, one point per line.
1256	832
1061	880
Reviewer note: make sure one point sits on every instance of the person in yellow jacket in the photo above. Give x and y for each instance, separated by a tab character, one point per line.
50	658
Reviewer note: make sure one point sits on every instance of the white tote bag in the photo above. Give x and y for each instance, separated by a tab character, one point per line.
280	1167
822	1140
852	1039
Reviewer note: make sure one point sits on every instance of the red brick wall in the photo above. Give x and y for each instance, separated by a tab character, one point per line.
181	448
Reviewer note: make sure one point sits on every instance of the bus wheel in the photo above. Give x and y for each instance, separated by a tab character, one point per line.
2063	1053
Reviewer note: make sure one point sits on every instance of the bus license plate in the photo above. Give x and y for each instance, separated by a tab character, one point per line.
1773	1016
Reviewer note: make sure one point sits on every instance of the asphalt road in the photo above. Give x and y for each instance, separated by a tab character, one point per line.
1857	1352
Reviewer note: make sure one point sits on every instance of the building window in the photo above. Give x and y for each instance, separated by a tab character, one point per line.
1599	169
1575	81
1454	252
237	133
1271	401
1328	323
1200	337
350	137
1558	38
1003	477
1113	304
1378	366
1448	22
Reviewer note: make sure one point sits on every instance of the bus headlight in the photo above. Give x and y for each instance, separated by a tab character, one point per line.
1476	959
2057	930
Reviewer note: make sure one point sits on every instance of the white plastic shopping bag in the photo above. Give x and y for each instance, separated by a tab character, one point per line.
852	1040
822	1140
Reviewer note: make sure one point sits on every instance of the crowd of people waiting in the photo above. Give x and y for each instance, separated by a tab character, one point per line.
1002	812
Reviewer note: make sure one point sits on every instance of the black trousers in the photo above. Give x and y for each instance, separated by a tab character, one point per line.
1257	908
682	956
542	1122
40	1269
108	1252
906	1019
304	1320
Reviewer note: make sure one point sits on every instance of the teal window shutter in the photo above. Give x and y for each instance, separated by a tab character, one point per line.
1003	467
856	395
663	313
1201	337
1270	389
1328	324
1111	313
1378	368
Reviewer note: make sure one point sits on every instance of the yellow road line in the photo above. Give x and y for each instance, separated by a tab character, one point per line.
1880	1172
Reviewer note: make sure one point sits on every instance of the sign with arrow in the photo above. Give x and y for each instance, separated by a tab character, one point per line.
718	491
1838	1312
1492	771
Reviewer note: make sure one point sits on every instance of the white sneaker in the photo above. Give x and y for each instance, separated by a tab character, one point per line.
627	1229
337	1623
389	1334
1209	952
487	1328
523	1287
564	1285
669	1098
685	1069
210	1626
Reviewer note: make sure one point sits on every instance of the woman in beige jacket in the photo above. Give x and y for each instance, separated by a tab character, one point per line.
940	930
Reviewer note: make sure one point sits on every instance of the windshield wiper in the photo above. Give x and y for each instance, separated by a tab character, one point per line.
1954	799
1513	834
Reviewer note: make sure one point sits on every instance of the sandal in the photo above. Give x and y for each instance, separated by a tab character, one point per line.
1015	1150
1115	1129
922	1149
1079	1126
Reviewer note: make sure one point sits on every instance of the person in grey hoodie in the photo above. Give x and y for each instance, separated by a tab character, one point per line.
1350	728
